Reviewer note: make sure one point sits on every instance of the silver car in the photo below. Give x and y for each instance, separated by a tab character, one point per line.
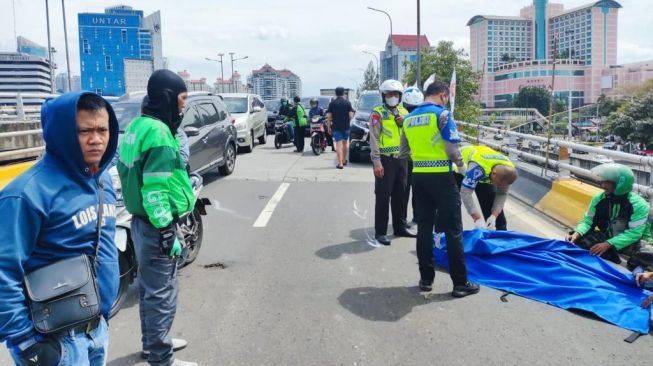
250	116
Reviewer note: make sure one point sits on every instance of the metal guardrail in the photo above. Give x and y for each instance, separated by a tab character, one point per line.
645	191
19	152
21	133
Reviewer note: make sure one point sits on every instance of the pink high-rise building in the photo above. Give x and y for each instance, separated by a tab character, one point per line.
517	51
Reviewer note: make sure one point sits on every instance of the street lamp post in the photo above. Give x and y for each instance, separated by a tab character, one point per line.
390	19
378	71
232	86
221	70
47	20
418	70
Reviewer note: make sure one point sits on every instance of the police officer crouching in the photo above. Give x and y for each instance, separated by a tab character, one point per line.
389	169
431	138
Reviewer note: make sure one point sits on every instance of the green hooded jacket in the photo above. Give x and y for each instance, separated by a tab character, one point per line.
154	181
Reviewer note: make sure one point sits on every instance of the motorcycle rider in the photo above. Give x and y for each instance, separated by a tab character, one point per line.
389	170
285	114
51	214
316	110
157	191
411	99
616	219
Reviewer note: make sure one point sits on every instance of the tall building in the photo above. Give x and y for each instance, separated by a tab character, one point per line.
118	49
61	83
517	51
25	74
400	51
272	84
28	47
230	86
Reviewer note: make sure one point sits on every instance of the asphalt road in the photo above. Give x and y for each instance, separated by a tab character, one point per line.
308	288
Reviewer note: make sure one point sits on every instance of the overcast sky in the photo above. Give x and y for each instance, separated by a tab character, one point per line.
319	41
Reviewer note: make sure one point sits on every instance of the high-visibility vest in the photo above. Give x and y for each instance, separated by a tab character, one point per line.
426	143
487	158
390	136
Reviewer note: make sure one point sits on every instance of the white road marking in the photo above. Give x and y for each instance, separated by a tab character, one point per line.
266	214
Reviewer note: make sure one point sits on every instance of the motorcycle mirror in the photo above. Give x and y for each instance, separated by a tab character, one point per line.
191	131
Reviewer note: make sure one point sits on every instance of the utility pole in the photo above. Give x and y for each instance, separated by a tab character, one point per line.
232	72
65	34
551	104
47	21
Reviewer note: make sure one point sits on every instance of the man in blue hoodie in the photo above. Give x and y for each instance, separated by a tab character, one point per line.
51	212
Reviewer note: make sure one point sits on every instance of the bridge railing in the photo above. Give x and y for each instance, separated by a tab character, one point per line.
646	191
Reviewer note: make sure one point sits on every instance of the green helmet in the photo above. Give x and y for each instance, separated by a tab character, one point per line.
619	174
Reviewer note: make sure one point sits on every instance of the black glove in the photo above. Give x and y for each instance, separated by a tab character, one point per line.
46	352
167	238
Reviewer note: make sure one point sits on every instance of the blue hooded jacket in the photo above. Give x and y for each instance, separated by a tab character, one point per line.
51	213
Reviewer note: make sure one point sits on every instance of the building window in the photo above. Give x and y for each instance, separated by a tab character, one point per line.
123	35
86	47
107	63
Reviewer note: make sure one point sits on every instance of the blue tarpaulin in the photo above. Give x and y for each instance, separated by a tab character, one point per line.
554	272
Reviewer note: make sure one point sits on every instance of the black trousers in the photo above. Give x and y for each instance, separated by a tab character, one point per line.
408	198
390	191
300	133
438	201
486	193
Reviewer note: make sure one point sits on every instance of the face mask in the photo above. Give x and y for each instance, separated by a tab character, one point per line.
392	102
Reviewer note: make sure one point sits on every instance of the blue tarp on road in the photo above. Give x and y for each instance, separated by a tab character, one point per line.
554	272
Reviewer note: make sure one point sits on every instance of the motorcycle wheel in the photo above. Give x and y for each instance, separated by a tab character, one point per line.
277	141
195	239
315	145
127	266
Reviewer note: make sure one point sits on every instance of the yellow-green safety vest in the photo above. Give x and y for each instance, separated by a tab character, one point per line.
390	136
486	157
427	149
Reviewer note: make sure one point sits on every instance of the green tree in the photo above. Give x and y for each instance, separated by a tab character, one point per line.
620	124
533	97
607	105
441	61
370	78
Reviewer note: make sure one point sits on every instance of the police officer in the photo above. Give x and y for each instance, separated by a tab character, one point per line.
411	99
431	138
489	174
389	171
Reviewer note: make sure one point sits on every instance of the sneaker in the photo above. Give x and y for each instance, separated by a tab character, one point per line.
405	232
424	286
382	239
465	290
183	363
177	345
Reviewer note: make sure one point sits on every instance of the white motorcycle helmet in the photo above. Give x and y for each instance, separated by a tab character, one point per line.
388	86
412	97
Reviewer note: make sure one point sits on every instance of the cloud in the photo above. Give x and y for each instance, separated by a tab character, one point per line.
631	52
264	33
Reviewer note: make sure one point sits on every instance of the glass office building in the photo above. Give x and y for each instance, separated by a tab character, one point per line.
107	39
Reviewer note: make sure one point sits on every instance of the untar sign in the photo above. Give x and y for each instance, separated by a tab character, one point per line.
108	21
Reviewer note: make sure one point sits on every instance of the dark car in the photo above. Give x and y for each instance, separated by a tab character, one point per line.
272	107
359	138
207	123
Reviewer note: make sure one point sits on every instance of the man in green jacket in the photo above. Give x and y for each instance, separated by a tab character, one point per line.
617	218
298	113
157	191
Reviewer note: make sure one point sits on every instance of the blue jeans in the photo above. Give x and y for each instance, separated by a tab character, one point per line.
291	131
158	288
81	348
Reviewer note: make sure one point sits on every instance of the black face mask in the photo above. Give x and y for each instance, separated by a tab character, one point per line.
163	88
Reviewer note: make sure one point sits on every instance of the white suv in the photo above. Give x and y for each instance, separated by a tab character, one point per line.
250	116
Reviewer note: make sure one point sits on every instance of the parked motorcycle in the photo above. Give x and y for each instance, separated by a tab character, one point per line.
318	134
189	232
282	134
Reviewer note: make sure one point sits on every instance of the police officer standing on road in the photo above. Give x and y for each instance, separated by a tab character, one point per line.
411	99
431	138
389	170
489	174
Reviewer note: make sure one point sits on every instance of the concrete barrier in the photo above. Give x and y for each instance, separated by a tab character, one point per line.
567	200
9	172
